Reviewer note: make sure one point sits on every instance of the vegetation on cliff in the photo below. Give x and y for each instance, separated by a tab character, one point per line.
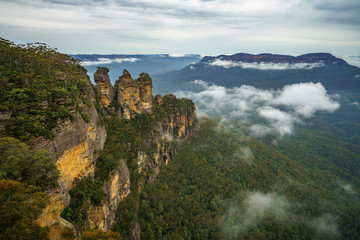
38	88
125	139
21	163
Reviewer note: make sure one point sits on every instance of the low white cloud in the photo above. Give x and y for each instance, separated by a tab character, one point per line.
103	61
100	61
348	188
250	208
306	98
269	110
180	55
265	66
121	60
260	129
240	216
258	205
326	225
353	60
280	120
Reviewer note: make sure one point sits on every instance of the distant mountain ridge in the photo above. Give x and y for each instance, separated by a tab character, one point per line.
95	56
326	58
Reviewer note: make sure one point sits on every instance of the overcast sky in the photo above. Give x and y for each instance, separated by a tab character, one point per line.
185	26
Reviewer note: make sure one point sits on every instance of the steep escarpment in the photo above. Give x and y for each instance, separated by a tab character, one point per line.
75	146
48	102
141	139
103	143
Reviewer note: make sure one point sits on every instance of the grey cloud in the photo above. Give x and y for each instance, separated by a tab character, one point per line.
193	26
338	6
77	2
344	12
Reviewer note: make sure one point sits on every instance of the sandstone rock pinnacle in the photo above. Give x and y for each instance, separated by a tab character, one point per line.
103	85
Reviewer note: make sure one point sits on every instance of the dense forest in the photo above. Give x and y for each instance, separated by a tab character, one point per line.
224	185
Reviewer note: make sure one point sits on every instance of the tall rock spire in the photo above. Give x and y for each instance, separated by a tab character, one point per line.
103	85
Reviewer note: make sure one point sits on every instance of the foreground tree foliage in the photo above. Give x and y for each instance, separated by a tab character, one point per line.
21	163
20	206
38	85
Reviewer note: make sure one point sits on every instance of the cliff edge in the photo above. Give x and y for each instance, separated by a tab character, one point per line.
103	143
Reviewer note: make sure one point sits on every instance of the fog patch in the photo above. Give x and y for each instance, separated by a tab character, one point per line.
104	61
265	65
356	104
121	60
268	111
251	208
244	153
100	61
347	187
326	225
260	130
258	204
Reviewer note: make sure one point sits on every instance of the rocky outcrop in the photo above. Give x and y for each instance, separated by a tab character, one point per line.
134	96
77	143
175	123
103	85
116	189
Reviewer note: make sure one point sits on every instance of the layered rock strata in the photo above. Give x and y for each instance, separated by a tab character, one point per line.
77	144
176	124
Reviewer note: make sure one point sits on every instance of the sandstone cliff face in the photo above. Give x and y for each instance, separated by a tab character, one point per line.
116	189
174	123
134	96
104	86
77	143
74	146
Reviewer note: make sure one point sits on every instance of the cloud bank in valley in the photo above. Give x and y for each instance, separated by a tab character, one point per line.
249	209
269	110
265	66
103	61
